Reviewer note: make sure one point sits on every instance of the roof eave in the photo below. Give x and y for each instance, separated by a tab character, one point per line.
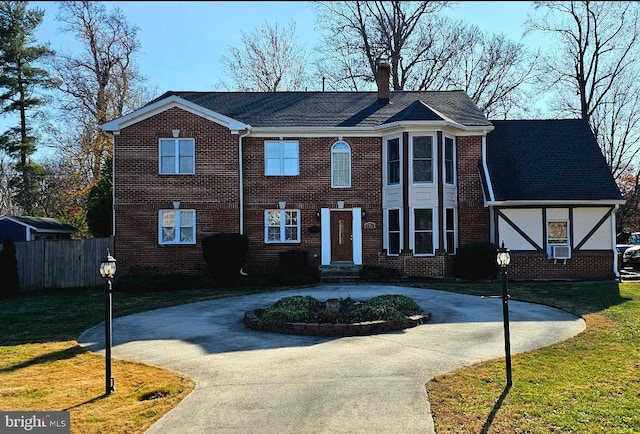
167	103
555	203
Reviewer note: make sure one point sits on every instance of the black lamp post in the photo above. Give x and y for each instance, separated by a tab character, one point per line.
108	270
503	259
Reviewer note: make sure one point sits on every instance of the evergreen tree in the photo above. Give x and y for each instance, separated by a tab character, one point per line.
20	80
100	204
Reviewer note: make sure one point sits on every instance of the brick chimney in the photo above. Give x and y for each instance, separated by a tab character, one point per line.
383	72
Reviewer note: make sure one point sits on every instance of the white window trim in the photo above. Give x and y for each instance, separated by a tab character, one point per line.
281	143
434	172
414	231
177	227
282	226
176	150
444	162
386	241
385	161
341	151
455	231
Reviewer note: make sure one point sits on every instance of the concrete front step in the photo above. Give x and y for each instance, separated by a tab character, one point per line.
340	273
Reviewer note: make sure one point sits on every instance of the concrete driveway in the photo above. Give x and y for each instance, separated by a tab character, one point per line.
258	382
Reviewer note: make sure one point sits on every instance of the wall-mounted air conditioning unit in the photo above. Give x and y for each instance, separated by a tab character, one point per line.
560	252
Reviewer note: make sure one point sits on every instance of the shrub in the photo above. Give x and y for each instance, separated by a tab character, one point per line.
291	309
294	262
225	254
308	309
476	261
375	273
9	269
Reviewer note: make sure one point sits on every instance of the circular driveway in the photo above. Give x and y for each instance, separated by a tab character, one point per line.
250	381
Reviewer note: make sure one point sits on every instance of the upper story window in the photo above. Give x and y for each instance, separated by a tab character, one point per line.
449	161
340	165
177	226
282	226
281	158
423	232
422	159
177	156
393	161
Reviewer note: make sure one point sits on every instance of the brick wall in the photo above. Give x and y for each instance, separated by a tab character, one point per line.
473	217
140	192
582	265
309	192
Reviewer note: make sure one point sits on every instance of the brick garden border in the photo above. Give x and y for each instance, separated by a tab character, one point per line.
335	329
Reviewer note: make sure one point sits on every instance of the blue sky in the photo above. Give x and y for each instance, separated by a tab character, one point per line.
183	41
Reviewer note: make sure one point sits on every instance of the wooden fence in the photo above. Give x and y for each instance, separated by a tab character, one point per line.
61	263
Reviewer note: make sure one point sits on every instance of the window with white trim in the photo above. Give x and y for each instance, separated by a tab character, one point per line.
423	231
282	226
281	158
449	161
393	232
393	161
340	165
450	230
177	226
176	156
422	159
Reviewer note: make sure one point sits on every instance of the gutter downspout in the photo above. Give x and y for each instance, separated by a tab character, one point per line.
616	272
493	227
240	179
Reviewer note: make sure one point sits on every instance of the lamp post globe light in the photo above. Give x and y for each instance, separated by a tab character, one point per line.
503	258
108	271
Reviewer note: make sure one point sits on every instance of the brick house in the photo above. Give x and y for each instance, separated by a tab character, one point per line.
394	179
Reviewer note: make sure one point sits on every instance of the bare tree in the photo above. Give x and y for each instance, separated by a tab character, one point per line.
99	83
427	51
269	61
593	70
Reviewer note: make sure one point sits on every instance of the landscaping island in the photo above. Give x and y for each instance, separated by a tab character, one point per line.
305	315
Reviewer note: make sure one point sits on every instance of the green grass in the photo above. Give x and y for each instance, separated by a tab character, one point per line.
587	384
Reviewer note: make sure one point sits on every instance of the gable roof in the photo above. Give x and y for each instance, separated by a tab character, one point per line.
548	160
41	224
337	109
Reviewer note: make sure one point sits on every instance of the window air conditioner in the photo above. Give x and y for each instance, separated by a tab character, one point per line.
560	252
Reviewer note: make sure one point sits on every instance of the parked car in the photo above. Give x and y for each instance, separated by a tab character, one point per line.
634	240
631	251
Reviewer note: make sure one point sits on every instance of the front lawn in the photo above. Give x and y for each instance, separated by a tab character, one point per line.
589	383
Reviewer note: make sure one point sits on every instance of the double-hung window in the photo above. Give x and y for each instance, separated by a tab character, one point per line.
393	161
282	226
423	232
340	165
177	157
281	158
422	159
177	226
450	230
449	161
393	232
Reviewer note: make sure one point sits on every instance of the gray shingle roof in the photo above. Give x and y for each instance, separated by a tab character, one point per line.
336	109
43	224
541	160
